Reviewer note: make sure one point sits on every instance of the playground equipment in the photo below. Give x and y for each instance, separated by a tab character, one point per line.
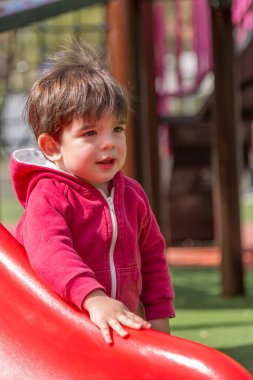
42	337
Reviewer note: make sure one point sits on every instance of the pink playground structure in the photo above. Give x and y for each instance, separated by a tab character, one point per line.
42	337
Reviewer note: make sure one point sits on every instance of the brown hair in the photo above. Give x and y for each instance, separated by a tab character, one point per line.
77	84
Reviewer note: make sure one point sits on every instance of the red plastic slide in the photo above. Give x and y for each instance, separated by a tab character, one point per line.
42	337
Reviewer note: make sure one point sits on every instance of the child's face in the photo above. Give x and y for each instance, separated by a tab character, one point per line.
94	151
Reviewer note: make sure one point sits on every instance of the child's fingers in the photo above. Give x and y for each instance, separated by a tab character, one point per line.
117	327
143	322
105	330
133	321
129	320
138	319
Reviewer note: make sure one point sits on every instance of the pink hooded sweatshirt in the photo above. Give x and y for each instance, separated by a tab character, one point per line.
79	240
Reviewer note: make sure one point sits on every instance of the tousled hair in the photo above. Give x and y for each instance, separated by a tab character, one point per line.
76	84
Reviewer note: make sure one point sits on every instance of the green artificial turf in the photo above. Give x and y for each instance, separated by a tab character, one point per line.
10	210
204	316
246	207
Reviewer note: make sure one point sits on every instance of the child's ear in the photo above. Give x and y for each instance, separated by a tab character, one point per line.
49	147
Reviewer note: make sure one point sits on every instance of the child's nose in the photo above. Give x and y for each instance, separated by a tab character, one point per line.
108	142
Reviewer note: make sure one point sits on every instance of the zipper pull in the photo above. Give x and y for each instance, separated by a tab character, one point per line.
110	201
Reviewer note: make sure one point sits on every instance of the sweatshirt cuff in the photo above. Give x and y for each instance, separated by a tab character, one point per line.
80	287
159	311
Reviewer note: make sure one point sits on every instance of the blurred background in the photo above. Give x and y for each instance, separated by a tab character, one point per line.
187	64
23	51
172	130
183	84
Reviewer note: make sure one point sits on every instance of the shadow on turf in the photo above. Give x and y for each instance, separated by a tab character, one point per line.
215	325
201	289
241	355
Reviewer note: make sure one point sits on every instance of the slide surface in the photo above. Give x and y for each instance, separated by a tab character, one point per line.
42	337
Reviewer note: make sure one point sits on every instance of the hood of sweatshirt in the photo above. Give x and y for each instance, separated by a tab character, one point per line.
29	165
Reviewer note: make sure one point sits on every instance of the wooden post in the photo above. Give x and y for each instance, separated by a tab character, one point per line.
131	44
118	19
148	97
226	150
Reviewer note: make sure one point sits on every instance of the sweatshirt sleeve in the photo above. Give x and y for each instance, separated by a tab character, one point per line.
45	234
157	292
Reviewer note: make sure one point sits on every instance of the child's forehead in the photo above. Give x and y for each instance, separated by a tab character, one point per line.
88	120
85	123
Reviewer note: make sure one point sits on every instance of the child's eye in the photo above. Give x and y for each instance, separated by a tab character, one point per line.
119	129
90	133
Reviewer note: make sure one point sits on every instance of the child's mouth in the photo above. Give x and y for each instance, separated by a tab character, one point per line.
106	163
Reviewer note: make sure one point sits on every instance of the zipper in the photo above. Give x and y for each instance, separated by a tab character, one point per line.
110	203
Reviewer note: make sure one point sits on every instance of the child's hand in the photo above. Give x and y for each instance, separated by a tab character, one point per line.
106	313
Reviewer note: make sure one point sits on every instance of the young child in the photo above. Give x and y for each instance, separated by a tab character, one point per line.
88	229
